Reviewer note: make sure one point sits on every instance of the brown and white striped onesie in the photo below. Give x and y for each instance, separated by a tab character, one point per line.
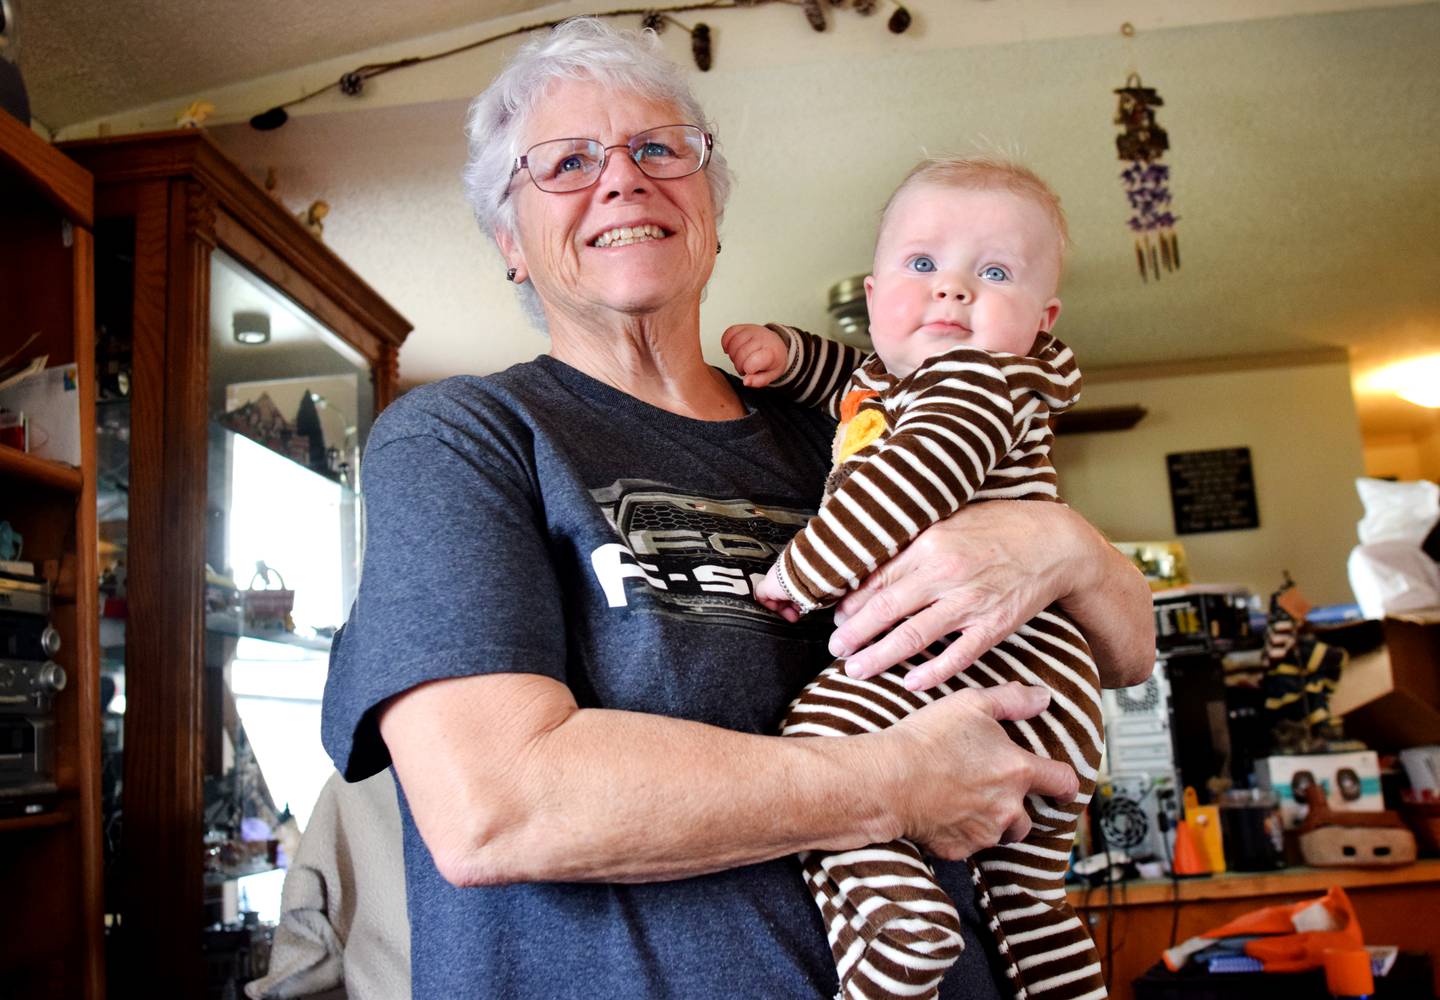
967	425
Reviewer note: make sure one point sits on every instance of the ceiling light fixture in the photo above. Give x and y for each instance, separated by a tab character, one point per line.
251	327
1415	381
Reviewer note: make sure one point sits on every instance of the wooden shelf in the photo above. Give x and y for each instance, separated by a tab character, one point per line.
1241	885
11	824
1098	419
40	471
52	864
64	183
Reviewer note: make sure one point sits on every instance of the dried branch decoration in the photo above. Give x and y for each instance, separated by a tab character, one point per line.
814	13
700	46
653	18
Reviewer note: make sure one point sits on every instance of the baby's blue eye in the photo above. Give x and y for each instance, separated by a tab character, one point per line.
995	273
922	264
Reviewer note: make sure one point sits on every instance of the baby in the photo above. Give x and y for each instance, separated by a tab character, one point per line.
953	407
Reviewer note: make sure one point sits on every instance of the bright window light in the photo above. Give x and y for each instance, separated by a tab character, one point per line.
1416	380
292	519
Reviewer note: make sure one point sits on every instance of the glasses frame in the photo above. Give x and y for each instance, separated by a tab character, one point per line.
522	162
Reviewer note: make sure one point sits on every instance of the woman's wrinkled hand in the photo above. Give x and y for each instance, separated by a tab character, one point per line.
960	782
984	571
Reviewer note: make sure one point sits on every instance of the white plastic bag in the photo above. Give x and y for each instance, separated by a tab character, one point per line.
1397	512
1389	572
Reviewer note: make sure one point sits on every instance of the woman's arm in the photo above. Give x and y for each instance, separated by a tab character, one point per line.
987	570
510	781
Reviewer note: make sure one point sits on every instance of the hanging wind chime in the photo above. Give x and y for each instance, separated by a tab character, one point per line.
1147	181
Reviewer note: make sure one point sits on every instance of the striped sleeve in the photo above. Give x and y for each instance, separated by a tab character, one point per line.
816	369
955	420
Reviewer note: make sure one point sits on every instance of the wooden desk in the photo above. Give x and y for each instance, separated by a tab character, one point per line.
1395	905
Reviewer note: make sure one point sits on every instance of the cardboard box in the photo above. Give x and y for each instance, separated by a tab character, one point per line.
1390	698
50	403
1351	781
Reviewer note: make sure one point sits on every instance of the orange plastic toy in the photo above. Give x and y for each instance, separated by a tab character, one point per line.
1294	937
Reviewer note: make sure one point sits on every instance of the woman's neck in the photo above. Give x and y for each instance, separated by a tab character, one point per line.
656	359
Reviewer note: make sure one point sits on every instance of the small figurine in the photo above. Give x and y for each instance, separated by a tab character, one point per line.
1342	838
194	116
312	218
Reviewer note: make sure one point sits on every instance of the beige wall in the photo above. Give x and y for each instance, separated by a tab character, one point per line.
1409	455
1428	446
1299	424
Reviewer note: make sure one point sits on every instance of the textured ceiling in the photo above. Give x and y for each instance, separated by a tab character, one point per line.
85	60
1305	150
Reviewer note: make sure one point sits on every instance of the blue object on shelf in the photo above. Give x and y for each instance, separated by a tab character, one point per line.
1335	614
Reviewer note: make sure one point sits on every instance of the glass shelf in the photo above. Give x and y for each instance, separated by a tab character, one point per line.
224	623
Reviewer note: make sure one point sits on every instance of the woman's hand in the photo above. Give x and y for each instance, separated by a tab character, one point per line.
758	353
985	571
961	782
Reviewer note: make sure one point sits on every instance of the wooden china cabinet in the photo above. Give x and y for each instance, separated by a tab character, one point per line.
239	366
51	925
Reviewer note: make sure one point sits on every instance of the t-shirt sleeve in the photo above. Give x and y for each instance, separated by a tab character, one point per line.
457	581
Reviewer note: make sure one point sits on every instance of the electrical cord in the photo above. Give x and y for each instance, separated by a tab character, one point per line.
1109	960
1163	822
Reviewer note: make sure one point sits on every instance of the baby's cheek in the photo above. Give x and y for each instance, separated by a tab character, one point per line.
895	314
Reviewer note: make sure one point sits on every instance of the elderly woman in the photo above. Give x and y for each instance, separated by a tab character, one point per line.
555	644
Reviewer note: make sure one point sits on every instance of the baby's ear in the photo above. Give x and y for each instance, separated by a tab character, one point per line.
1050	314
869	290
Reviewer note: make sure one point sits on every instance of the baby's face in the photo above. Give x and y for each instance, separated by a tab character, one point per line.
961	268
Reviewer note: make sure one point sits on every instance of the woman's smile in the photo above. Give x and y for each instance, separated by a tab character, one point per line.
624	236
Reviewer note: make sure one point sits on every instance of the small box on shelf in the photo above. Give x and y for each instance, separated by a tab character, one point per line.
49	405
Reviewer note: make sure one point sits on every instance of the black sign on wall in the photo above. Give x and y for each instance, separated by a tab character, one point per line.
1212	490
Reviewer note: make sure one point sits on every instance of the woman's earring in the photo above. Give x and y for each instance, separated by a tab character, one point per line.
510	274
717	247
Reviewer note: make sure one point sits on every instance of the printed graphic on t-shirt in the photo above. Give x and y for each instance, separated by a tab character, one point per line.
690	555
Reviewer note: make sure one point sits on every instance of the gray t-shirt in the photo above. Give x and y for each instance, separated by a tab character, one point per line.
540	521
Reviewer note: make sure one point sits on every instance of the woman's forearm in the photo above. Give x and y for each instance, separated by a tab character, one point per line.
545	791
509	782
1111	604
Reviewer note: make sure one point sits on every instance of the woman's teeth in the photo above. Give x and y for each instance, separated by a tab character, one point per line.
626	235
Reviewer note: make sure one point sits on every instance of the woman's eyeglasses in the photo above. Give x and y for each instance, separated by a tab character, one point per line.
667	152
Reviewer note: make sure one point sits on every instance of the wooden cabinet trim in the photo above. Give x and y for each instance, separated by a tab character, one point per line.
67	185
189	152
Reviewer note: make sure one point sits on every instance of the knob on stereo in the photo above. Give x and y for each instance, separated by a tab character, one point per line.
49	641
51	677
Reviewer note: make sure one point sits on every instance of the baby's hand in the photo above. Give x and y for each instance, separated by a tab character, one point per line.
770	593
758	353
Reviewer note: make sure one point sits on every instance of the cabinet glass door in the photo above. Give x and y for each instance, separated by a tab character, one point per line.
290	407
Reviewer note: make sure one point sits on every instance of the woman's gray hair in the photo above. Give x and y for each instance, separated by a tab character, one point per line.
582	48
